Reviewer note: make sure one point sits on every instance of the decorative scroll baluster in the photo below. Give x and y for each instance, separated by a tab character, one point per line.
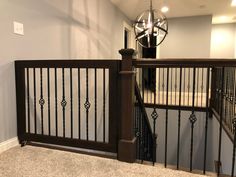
166	128
56	107
87	105
49	102
192	119
63	102
154	117
179	117
41	101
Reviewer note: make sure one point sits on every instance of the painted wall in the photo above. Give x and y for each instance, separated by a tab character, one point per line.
54	29
188	37
223	40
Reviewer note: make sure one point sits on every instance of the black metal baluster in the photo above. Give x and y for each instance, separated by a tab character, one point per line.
188	85
143	86
207	116
28	98
221	119
234	146
49	102
154	117
71	102
166	128
163	85
175	85
192	119
95	103
202	87
159	86
56	107
171	89
142	135
104	105
79	132
184	89
87	105
63	102
179	118
35	111
41	101
198	69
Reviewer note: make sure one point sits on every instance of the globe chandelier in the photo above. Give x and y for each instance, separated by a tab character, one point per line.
151	28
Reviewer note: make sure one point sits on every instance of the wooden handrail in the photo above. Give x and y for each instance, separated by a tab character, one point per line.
184	62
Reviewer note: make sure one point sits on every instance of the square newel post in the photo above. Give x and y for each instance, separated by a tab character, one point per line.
127	139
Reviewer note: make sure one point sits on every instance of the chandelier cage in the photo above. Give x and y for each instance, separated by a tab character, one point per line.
151	28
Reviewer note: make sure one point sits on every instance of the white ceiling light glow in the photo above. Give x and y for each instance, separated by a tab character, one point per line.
165	9
233	3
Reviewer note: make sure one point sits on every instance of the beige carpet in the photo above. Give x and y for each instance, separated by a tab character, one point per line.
40	162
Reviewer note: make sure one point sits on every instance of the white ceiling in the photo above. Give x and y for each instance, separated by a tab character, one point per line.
221	10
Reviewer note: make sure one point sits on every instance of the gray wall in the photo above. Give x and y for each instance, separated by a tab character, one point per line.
188	37
54	29
198	137
223	41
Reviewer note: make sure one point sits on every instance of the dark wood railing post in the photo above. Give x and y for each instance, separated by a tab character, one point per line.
127	139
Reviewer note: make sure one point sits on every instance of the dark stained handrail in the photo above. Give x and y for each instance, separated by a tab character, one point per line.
183	62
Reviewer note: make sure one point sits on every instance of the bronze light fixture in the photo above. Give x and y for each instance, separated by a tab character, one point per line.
151	28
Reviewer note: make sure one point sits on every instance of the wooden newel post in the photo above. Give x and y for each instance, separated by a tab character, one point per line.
127	139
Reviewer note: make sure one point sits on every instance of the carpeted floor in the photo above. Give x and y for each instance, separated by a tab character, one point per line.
40	162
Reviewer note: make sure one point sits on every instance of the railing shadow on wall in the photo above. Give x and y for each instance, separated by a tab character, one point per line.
91	104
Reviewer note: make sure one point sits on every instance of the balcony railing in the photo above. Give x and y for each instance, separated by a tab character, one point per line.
90	104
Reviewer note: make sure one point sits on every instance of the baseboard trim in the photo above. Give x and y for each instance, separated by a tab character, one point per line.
4	146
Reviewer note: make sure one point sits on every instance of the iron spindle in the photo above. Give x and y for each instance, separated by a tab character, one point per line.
35	111
95	103
221	119
192	119
207	116
49	102
71	103
234	147
79	132
56	107
104	105
179	117
63	103
28	99
87	105
41	101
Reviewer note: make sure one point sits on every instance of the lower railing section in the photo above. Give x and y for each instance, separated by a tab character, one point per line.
71	103
192	87
146	139
224	103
